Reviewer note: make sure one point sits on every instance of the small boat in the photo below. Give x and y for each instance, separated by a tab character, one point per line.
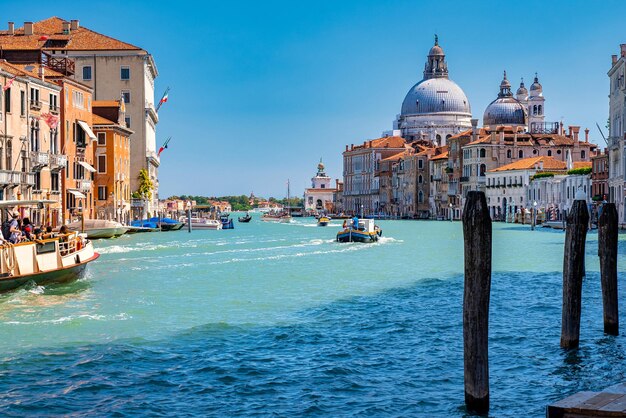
245	219
98	228
166	224
366	231
227	223
204	223
323	221
59	259
554	224
281	216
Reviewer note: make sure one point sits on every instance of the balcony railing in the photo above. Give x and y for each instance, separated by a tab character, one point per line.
54	109
58	160
35	105
10	177
39	159
27	178
464	179
59	63
153	158
84	185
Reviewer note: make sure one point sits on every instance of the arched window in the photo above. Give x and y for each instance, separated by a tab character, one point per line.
448	136
438	137
549	153
420	197
534	109
482	153
539	109
520	154
9	156
483	168
419	179
582	154
508	153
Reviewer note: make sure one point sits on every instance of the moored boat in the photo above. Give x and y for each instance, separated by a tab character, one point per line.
227	223
281	216
364	231
204	223
98	228
167	224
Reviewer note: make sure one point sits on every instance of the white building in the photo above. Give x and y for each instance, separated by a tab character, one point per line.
555	195
436	107
617	119
321	196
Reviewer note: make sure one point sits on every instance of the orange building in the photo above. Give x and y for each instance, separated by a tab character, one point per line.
77	140
112	157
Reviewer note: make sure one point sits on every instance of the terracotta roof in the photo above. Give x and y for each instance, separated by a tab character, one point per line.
395	157
81	39
582	164
549	163
105	103
33	70
442	156
99	120
386	142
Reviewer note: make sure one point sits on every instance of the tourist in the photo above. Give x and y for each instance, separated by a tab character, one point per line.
27	229
16	234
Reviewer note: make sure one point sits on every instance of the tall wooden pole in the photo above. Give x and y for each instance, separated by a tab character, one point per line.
477	238
607	250
574	271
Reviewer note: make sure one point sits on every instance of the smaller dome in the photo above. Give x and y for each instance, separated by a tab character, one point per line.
436	49
320	166
522	91
505	83
505	110
536	86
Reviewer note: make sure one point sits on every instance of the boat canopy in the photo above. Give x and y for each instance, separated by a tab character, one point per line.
12	203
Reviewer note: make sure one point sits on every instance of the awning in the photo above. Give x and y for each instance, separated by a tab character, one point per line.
87	166
77	194
87	130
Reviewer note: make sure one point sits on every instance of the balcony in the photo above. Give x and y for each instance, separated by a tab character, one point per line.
84	185
10	177
35	105
151	112
54	110
39	160
58	161
120	176
153	158
27	179
136	203
464	179
58	63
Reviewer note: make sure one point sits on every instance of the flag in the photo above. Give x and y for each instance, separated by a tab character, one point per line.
164	146
163	99
43	38
51	120
8	84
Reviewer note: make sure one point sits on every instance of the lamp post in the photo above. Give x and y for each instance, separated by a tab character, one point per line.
451	216
362	214
189	215
534	216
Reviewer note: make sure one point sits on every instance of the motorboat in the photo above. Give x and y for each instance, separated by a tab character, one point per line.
323	221
245	219
56	259
227	223
142	226
98	228
364	231
166	224
204	223
281	216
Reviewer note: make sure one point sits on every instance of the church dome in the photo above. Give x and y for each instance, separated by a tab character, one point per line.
522	91
536	89
505	110
435	95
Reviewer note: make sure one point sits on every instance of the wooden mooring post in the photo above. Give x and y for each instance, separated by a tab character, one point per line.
574	271
607	251
477	236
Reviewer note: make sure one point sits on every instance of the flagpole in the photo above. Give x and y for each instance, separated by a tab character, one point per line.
161	101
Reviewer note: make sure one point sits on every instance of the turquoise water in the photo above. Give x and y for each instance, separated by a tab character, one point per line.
278	319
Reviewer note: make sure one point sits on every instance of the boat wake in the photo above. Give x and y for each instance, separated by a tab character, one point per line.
74	318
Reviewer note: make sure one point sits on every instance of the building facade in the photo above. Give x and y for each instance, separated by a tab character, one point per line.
616	141
320	197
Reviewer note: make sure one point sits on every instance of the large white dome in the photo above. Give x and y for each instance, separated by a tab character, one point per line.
435	95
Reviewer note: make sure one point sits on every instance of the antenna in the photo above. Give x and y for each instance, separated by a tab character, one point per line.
601	133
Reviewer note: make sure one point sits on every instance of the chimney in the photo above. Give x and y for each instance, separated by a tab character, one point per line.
74	24
569	131
561	128
346	147
575	132
613	59
587	135
42	72
501	135
474	129
66	28
622	48
11	28
28	28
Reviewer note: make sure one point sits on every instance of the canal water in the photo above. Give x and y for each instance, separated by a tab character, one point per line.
280	320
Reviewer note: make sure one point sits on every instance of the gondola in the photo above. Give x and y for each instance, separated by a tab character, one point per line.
245	219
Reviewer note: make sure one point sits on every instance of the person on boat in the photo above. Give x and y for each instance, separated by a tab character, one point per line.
345	224
16	234
355	222
27	229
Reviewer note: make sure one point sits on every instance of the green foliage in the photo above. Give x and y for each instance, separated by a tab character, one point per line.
582	170
145	185
542	175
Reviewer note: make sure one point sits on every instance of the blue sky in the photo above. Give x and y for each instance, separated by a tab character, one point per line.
261	90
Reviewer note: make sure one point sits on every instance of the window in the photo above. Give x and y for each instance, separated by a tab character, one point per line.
78	100
22	103
102	138
125	73
37	180
323	186
102	192
54	179
80	137
508	153
420	179
87	72
102	163
582	155
482	153
549	153
7	100
127	119
483	168
420	163
9	156
54	102
520	154
126	96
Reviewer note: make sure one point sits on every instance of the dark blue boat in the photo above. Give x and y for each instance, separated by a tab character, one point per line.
167	224
227	223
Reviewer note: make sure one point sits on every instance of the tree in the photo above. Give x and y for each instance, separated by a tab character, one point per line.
145	185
